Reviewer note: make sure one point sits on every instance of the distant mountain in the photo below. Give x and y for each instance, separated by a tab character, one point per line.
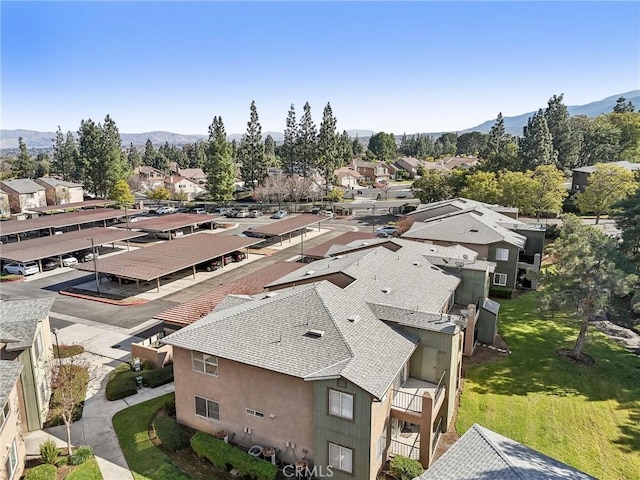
514	125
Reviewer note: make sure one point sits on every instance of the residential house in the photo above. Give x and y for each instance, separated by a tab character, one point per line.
24	194
514	246
581	175
26	338
59	192
451	163
345	362
149	178
196	175
375	172
347	177
484	454
411	165
12	453
427	211
5	211
182	185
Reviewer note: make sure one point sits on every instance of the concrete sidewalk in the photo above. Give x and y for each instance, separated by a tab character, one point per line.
105	350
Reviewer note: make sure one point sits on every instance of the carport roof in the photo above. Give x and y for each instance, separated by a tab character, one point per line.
12	227
72	206
156	261
169	222
288	225
43	247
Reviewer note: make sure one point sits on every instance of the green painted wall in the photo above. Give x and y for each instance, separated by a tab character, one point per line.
535	241
510	267
354	434
487	326
473	286
29	391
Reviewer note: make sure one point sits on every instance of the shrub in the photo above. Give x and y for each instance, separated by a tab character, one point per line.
121	382
89	470
170	433
67	351
404	468
170	407
81	455
221	454
158	376
42	472
50	453
500	292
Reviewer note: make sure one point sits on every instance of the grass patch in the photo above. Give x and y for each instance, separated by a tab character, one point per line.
10	277
87	471
587	417
80	379
66	351
145	460
122	380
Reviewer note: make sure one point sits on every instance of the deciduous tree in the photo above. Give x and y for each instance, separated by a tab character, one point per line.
547	191
483	187
584	276
158	194
433	186
608	185
121	193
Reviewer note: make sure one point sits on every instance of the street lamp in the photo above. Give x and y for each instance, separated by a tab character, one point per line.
95	265
55	334
374	218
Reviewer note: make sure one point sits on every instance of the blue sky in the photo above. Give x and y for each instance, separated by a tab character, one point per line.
396	67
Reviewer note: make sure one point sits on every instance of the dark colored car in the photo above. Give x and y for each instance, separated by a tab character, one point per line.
50	264
238	256
211	266
251	233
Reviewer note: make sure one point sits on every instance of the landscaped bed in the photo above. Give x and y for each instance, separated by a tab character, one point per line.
122	380
585	416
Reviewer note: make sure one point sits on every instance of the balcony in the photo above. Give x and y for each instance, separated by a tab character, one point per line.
407	442
409	397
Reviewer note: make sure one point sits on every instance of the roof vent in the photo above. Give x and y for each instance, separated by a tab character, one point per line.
416	263
433	249
386	290
364	243
316	333
354	318
309	272
474	230
338	257
271	294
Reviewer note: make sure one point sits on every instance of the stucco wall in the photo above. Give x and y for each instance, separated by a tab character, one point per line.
286	401
11	431
380	413
509	267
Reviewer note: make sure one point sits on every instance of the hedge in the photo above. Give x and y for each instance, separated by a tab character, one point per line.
42	472
158	376
122	381
404	468
170	433
501	292
221	455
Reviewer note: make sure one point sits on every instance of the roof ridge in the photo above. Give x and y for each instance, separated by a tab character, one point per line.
344	340
498	450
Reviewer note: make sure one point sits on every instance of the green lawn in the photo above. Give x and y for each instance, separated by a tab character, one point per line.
87	471
587	417
145	460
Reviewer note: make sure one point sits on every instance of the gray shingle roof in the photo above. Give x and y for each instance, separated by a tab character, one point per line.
437	322
403	278
271	332
468	227
9	373
54	182
19	319
484	454
624	164
23	185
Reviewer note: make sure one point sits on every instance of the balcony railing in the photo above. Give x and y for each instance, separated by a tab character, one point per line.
436	436
409	396
405	449
440	387
411	402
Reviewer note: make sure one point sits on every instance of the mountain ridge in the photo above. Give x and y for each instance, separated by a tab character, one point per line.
513	125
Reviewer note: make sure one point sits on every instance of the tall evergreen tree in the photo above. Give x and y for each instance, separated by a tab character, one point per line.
289	145
357	146
24	166
383	146
501	150
221	171
346	148
254	167
622	106
306	142
65	152
271	158
536	145
133	156
328	142
565	144
149	155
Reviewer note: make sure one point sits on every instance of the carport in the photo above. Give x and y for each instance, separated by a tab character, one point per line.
289	225
60	220
57	245
72	206
156	261
171	222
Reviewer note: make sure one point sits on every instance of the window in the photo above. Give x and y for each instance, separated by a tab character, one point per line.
341	458
37	347
205	363
12	461
341	404
255	413
382	442
500	279
5	413
207	408
502	254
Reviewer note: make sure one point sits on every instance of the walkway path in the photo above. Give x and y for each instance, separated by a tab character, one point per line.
106	348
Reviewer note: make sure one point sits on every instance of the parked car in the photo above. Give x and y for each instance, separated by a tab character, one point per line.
50	264
164	210
84	255
25	269
228	259
69	260
255	213
238	256
250	233
221	210
242	214
200	211
386	231
231	213
280	214
316	210
328	213
210	266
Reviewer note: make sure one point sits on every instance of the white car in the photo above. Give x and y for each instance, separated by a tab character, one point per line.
280	214
387	231
242	214
69	260
255	213
164	210
22	268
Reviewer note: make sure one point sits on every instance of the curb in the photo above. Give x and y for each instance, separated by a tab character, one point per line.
122	303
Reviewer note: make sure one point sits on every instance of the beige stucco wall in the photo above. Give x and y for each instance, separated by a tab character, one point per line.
11	430
380	413
286	401
42	367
